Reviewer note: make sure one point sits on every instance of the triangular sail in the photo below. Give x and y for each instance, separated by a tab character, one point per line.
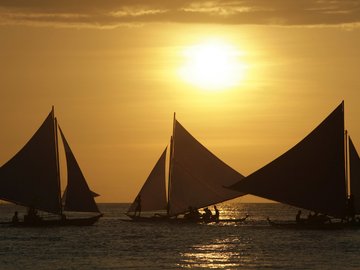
79	198
311	175
354	176
63	198
153	192
30	178
198	177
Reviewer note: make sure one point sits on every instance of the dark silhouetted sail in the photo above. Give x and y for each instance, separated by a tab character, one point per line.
63	198
153	192
354	176
198	177
30	178
94	194
79	198
311	175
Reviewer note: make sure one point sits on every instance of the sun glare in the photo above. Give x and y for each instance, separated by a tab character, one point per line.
213	65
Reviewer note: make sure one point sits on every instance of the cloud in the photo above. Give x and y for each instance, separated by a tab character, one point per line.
113	13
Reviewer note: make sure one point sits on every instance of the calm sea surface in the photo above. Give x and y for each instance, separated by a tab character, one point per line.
115	244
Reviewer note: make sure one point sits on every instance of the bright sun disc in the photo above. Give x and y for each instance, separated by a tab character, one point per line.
212	66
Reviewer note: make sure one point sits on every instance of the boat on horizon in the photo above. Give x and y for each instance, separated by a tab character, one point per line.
32	179
195	179
314	175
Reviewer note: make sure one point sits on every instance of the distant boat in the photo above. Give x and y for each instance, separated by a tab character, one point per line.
32	179
313	175
196	179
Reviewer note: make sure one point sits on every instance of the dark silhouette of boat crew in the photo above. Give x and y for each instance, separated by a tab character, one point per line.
312	218
206	217
193	214
298	218
216	216
138	205
15	218
32	216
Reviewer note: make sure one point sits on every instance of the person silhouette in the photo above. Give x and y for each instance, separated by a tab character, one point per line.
15	218
138	205
32	216
207	215
298	217
217	214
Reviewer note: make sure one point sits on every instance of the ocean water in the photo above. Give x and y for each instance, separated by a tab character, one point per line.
115	244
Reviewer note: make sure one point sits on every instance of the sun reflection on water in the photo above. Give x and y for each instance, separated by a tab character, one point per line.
221	254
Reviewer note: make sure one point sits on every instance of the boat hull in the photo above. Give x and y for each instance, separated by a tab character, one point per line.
307	226
179	220
88	221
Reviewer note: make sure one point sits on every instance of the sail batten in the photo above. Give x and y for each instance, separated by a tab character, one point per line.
311	175
198	177
79	197
30	177
153	192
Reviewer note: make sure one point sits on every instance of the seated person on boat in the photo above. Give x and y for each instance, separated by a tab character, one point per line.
217	214
192	214
15	218
32	216
207	215
313	219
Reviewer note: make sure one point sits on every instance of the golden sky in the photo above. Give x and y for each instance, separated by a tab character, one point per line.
113	70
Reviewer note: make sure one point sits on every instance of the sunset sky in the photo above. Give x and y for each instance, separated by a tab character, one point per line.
248	79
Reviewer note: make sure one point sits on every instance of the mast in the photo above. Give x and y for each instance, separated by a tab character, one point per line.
347	182
171	162
57	159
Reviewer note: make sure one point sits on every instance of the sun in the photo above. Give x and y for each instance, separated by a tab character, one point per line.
212	65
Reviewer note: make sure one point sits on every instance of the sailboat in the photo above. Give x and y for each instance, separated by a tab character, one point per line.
32	179
196	179
312	175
